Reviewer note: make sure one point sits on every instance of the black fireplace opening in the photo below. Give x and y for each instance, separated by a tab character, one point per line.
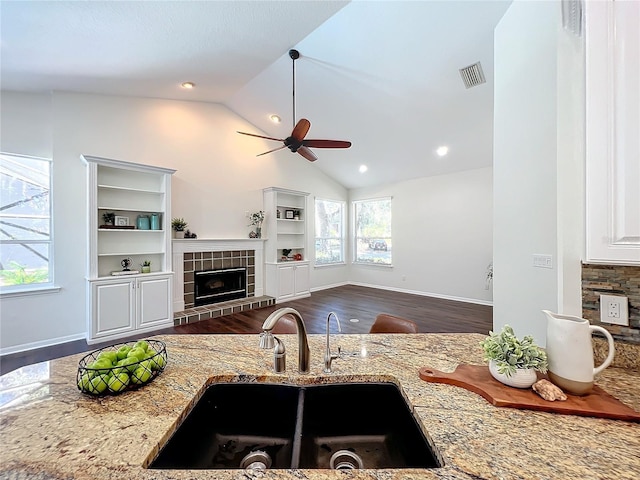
213	286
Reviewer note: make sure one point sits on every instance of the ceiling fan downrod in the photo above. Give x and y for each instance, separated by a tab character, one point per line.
294	54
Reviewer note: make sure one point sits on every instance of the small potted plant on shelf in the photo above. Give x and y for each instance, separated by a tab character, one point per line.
146	266
178	225
511	361
108	218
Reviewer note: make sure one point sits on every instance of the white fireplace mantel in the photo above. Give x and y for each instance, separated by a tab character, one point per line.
192	245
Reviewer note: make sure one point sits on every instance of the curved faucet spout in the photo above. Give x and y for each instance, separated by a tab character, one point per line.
328	357
304	353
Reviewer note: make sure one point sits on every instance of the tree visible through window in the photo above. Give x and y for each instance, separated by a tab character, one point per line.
329	232
373	231
25	220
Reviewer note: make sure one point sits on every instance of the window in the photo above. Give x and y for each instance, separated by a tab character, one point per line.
329	232
25	222
372	223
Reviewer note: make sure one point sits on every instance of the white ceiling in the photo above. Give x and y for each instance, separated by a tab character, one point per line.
382	74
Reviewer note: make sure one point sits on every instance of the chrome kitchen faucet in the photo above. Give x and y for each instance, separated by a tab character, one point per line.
328	357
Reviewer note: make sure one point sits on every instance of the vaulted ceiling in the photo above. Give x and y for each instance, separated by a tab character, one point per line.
384	75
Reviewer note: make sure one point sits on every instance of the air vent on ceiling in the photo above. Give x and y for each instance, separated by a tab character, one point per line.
472	75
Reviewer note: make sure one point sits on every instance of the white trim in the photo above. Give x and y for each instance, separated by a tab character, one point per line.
333	264
25	292
50	160
326	287
126	165
285	190
425	294
371	264
42	343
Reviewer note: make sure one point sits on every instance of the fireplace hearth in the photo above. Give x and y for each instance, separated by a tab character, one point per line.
219	285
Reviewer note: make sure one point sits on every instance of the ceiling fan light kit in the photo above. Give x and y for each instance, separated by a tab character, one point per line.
296	142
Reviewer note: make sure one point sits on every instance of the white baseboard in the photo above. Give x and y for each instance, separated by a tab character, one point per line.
326	287
426	294
43	343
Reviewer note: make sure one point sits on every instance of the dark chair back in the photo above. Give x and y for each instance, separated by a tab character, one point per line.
386	323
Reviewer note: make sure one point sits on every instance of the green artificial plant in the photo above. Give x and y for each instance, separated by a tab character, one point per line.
510	354
178	224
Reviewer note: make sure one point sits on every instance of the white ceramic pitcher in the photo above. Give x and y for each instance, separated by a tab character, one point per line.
570	352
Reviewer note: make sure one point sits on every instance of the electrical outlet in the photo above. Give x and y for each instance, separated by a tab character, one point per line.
614	309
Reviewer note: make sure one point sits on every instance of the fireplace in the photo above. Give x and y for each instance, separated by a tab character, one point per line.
213	286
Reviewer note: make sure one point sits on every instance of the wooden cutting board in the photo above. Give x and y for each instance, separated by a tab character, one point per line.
477	379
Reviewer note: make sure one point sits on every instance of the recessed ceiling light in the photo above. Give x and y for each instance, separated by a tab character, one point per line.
363	168
275	118
442	151
188	85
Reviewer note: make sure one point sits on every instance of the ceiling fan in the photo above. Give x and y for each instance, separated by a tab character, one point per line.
296	141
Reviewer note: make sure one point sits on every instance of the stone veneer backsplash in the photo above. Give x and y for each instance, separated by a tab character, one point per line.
197	261
612	280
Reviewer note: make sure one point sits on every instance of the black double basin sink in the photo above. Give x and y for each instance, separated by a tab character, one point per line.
275	426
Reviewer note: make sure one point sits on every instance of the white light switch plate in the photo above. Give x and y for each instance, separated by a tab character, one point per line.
542	261
614	309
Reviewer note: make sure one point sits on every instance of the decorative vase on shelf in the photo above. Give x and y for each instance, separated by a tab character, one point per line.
178	234
522	378
258	232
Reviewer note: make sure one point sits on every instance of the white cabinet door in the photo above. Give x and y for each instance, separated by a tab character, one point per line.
286	282
113	307
301	280
153	301
612	125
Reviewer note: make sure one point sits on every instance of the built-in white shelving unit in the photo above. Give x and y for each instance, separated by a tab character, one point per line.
122	304
286	264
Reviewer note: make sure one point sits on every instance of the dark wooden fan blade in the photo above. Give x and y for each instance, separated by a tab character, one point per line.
326	143
261	136
308	154
274	150
301	129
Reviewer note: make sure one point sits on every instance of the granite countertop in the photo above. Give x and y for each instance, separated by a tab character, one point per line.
51	430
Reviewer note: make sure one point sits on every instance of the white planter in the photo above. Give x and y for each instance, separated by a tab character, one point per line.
179	234
522	378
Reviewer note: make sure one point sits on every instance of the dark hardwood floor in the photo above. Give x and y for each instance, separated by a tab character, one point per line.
349	302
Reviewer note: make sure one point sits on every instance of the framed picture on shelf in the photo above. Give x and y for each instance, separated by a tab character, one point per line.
287	214
121	221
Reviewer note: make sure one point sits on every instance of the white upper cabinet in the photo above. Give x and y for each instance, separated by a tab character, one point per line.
613	132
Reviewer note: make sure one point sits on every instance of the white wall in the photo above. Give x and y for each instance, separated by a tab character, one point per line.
537	173
26	124
218	179
442	225
442	236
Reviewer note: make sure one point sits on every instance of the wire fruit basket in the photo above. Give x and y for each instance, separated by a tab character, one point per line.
121	367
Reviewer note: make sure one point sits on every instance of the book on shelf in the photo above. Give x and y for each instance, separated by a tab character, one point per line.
125	272
117	227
